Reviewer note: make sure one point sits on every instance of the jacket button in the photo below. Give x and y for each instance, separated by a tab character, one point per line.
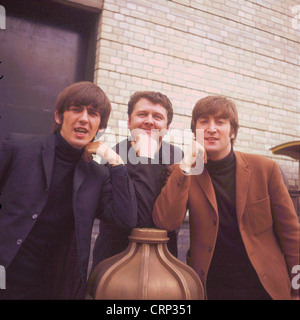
19	241
202	273
209	249
34	216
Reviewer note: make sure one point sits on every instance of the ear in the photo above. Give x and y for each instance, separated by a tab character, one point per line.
57	118
232	136
166	130
100	133
129	122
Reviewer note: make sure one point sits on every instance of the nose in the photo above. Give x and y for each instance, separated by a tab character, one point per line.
83	116
149	120
211	127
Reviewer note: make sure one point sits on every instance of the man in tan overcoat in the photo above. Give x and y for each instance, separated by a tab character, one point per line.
244	231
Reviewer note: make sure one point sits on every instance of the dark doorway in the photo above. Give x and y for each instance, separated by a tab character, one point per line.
46	46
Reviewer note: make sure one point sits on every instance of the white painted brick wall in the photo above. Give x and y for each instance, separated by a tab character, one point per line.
247	50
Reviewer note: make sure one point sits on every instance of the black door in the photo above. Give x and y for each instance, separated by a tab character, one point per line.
46	46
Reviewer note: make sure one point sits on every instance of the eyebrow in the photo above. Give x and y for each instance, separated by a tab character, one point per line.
220	117
158	113
215	117
154	113
89	108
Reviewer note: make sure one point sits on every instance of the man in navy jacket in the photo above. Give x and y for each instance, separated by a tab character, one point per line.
149	117
51	191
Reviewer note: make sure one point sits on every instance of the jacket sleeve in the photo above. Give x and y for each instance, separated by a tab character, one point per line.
118	201
285	221
171	205
6	150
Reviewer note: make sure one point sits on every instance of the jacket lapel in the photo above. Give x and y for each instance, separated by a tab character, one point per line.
243	174
80	173
206	185
48	153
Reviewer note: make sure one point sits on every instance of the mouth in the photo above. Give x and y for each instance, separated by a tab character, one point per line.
211	139
148	131
81	131
143	131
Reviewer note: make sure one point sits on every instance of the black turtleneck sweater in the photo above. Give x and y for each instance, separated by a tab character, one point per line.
55	220
231	275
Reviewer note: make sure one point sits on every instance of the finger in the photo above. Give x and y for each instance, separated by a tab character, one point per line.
134	144
205	156
195	149
203	151
91	147
194	153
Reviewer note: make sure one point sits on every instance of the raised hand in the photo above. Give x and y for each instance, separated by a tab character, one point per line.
105	152
145	145
194	158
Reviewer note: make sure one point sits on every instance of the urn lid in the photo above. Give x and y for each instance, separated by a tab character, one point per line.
147	235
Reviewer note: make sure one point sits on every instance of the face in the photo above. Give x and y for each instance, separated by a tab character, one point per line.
217	136
147	116
79	125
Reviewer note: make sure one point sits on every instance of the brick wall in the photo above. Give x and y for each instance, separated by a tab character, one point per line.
246	50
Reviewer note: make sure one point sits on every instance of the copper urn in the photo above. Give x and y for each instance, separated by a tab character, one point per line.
146	270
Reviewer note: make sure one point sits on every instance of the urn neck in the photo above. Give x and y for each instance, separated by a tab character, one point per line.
148	235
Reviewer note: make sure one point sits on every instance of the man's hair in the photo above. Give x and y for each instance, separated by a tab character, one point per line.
83	93
216	105
154	97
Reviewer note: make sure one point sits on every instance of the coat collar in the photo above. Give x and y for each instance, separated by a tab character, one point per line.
242	184
81	170
206	185
48	154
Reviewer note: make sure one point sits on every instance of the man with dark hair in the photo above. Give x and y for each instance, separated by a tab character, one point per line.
147	158
50	194
244	239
